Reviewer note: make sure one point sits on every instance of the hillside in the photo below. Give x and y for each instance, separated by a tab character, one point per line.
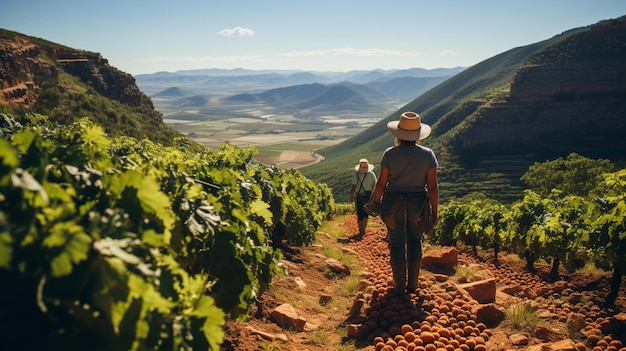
319	98
38	76
407	88
491	121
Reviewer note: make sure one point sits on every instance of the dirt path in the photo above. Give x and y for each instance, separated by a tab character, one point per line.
298	159
441	317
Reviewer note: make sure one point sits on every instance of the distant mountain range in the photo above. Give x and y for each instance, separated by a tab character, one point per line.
318	98
228	82
299	92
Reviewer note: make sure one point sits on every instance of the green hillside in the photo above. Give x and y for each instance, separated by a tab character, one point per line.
41	77
456	106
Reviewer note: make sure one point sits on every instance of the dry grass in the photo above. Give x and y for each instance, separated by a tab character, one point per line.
465	272
522	317
329	317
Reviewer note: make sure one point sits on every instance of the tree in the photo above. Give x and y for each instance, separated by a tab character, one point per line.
576	175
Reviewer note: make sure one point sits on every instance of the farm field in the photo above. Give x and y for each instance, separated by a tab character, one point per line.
282	139
534	314
285	149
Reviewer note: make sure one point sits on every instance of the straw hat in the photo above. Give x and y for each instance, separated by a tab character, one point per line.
409	127
364	166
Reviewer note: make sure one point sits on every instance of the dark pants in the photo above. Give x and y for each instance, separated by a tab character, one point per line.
400	212
361	200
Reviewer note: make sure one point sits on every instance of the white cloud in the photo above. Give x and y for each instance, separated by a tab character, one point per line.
370	52
447	53
236	32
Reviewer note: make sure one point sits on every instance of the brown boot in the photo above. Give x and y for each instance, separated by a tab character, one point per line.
362	226
399	277
414	275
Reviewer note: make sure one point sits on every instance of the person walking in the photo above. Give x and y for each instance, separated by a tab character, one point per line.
408	191
363	182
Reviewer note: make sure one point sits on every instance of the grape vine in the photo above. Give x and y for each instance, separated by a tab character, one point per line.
117	243
568	230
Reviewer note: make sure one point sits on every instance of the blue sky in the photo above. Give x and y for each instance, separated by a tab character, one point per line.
139	36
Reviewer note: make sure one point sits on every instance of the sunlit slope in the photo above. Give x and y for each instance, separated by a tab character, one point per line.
66	84
481	96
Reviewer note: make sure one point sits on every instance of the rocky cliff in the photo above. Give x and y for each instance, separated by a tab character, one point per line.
24	62
20	63
31	71
570	97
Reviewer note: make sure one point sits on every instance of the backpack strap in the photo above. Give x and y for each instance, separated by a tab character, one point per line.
360	183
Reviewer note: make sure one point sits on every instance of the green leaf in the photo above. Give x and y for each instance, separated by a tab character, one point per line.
212	326
23	139
94	134
117	311
6	250
150	196
111	289
58	192
152	238
117	196
261	209
151	300
8	155
195	191
74	245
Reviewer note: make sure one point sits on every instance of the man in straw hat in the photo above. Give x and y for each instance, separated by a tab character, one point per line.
363	183
407	186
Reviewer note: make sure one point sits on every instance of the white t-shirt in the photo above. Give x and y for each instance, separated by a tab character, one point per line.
368	179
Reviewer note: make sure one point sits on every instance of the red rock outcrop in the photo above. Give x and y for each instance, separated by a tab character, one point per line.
26	65
568	97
